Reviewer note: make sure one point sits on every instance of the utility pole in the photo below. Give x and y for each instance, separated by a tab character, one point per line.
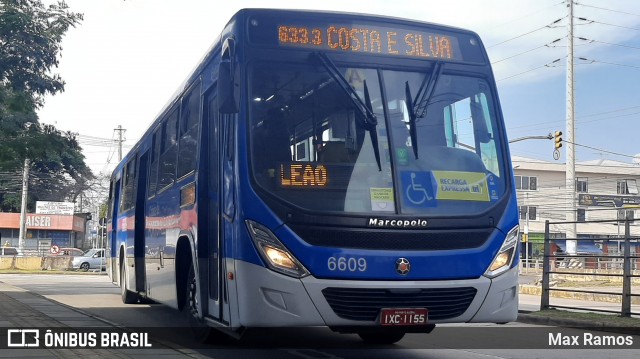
526	233
120	140
23	207
571	243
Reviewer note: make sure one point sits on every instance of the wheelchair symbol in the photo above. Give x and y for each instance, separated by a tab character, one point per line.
416	193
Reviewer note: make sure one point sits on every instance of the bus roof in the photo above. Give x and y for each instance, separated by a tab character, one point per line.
266	30
297	13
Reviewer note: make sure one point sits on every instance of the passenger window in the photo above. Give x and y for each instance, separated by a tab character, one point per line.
169	150
155	160
129	186
189	126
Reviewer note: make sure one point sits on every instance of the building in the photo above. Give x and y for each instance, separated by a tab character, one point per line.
605	190
44	230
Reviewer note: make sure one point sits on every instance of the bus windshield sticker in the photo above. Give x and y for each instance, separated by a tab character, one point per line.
418	189
424	189
382	199
493	187
371	39
461	186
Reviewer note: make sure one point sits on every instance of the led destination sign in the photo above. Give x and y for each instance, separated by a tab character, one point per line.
313	175
374	40
303	175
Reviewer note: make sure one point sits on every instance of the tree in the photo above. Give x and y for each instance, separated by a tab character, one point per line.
30	42
30	37
58	172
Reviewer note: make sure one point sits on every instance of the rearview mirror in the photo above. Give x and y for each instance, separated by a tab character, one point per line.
228	84
228	89
480	129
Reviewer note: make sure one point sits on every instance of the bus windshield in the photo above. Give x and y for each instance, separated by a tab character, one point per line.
311	146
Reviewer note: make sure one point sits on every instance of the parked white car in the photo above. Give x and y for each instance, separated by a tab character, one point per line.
91	259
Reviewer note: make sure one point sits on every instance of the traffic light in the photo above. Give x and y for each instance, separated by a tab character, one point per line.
558	139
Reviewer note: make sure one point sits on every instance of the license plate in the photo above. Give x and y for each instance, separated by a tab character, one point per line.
409	316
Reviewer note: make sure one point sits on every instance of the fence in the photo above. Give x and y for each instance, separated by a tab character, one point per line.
36	256
616	266
531	265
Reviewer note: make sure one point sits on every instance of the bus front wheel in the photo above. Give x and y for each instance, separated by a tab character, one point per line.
201	330
128	297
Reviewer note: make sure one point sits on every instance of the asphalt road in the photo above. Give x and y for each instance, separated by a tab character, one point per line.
97	297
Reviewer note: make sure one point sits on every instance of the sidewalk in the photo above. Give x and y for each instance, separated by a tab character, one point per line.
20	309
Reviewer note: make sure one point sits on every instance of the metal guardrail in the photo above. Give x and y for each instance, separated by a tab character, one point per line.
553	260
530	265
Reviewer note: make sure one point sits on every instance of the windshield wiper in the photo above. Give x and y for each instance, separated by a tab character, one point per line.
369	119
418	107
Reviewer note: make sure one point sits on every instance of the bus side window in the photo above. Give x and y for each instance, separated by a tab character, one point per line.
169	150
111	198
129	187
155	156
189	125
468	126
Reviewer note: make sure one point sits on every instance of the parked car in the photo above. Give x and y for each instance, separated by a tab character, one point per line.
70	252
9	251
91	259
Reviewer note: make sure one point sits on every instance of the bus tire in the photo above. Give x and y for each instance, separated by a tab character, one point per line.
201	331
128	297
381	338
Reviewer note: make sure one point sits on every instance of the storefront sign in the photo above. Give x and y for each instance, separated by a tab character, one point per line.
64	208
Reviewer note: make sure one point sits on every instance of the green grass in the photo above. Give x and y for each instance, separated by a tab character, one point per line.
607	319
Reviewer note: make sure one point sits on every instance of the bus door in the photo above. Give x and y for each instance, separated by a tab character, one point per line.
140	222
211	273
227	209
113	236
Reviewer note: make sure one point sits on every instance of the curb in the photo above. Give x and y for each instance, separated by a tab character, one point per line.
577	323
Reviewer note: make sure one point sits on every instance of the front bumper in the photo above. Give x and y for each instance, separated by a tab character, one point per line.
269	299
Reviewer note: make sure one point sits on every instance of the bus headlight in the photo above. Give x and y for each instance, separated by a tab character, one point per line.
502	262
274	253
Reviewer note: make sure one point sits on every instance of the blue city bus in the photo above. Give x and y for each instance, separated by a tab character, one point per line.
324	169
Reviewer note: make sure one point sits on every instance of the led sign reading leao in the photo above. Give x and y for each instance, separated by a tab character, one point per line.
372	40
298	175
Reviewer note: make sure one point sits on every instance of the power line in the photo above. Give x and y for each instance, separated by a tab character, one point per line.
605	23
526	33
530	70
607	112
545	125
591	61
604	151
607	43
615	64
609	118
526	52
605	9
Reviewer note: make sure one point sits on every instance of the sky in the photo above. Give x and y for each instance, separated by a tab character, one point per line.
127	58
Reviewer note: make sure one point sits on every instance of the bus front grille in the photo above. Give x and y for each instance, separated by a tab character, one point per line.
364	304
384	239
